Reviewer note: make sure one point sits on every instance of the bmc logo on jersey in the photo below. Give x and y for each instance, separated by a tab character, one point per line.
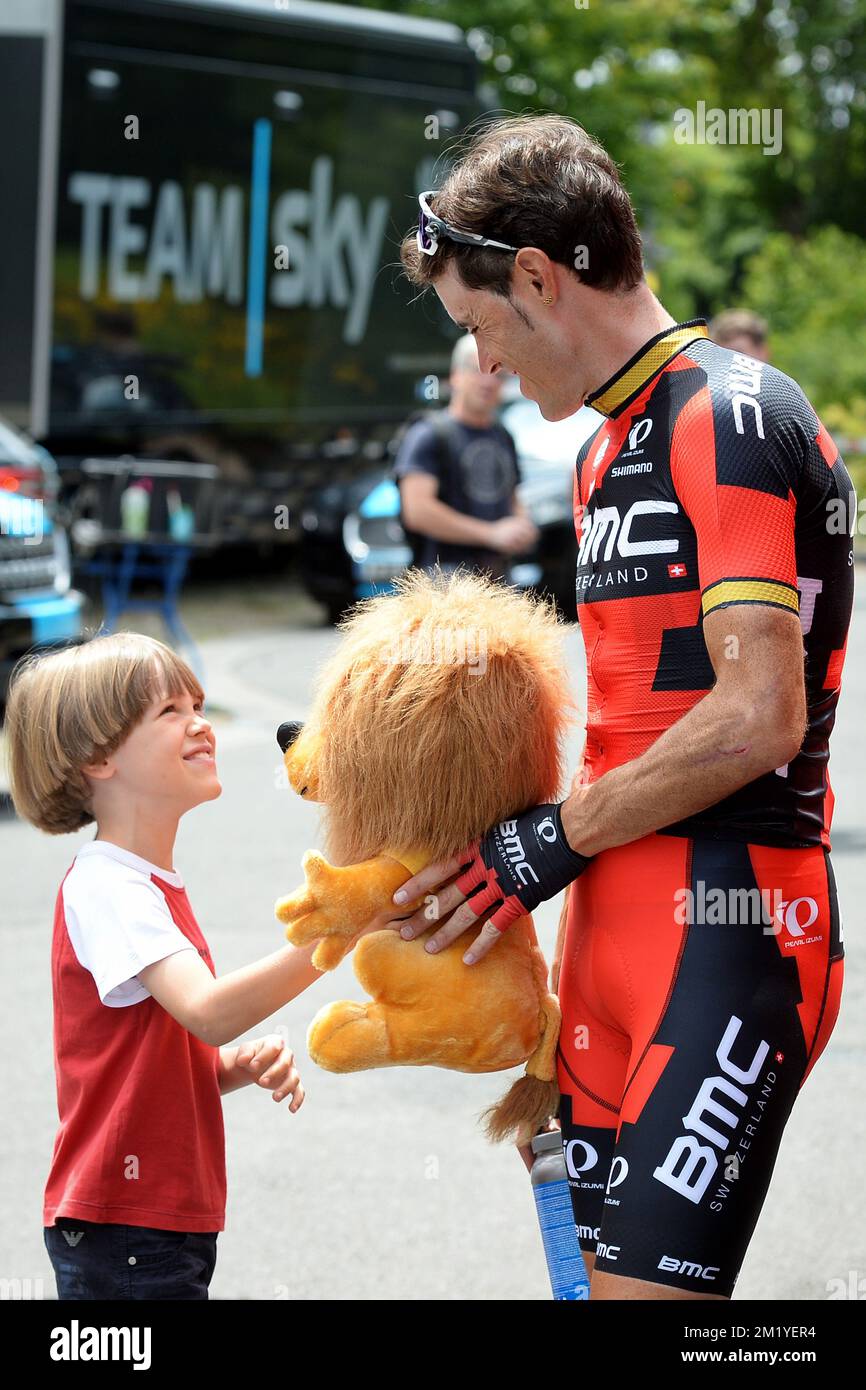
606	525
744	385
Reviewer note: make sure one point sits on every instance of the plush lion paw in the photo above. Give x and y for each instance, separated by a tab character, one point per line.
336	904
347	1036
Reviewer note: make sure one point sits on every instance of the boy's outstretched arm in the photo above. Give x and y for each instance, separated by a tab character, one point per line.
219	1010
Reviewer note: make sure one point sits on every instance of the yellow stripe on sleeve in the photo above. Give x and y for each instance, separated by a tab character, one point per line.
749	591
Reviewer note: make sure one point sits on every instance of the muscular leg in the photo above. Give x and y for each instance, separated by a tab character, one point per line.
609	1286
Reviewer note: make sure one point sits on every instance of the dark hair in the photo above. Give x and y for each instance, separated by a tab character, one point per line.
536	180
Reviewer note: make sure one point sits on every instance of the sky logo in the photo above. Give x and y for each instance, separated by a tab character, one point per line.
194	242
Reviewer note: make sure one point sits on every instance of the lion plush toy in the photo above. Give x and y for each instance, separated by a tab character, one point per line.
442	712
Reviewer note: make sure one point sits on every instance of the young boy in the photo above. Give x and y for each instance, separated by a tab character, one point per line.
114	731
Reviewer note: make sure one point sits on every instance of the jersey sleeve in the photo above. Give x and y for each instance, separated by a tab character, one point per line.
736	471
119	923
588	445
418	453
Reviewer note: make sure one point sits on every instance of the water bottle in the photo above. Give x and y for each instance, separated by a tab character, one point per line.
568	1276
135	508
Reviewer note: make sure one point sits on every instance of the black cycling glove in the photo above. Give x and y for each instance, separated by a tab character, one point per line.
523	862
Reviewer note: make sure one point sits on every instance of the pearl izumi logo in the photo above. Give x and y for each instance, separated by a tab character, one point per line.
77	1343
638	433
715	1112
797	915
581	1158
547	830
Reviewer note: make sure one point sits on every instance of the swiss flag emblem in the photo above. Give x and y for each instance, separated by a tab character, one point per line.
677	571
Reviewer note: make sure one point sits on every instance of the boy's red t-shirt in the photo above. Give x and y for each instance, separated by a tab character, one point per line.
141	1139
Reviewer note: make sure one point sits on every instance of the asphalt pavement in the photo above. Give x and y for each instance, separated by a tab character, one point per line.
382	1185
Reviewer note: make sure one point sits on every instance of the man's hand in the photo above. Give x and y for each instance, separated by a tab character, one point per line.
513	535
525	1150
514	867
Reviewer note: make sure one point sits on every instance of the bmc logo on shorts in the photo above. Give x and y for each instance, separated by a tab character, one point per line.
695	1271
690	1166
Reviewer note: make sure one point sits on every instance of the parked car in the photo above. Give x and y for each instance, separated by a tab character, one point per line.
39	609
354	545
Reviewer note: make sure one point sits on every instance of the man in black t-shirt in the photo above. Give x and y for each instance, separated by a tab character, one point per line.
458	490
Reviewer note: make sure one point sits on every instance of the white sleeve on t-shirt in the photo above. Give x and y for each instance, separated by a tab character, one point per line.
118	922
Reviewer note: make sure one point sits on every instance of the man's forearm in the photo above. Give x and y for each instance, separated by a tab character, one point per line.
443	523
707	755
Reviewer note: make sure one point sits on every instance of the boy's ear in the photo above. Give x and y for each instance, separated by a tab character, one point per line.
102	769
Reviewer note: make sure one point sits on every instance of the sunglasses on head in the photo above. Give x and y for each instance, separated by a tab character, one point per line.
431	228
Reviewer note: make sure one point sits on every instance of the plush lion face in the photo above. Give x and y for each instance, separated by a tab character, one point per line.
443	710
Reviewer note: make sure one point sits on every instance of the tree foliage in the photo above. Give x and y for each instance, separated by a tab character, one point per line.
723	223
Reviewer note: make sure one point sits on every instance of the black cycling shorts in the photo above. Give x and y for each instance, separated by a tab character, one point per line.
700	981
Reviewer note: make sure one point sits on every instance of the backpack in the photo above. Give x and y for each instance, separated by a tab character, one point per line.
442	422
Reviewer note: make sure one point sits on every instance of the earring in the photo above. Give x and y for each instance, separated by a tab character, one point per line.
550	299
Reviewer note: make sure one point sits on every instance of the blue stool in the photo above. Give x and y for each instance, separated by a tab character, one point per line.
146	559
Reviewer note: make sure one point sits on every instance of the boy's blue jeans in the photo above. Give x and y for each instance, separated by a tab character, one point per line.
96	1260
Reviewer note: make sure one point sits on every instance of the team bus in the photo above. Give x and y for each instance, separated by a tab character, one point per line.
203	201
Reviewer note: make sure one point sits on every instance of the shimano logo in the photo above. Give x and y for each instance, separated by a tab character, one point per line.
623	469
514	851
607	525
690	1166
744	383
672	1265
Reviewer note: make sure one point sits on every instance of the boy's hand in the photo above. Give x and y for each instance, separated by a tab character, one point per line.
271	1063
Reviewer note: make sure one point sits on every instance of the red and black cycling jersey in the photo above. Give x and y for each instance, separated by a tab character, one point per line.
712	482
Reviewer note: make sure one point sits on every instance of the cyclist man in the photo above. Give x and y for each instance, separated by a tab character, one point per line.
701	954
